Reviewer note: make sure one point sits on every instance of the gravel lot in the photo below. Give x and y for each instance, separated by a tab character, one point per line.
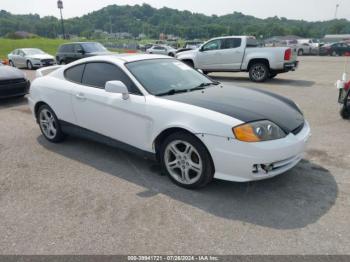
81	197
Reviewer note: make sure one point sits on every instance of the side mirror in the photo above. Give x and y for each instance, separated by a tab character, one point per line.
117	87
81	51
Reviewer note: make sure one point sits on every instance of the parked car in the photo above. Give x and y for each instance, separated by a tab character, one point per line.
30	58
161	108
241	53
161	50
335	49
13	82
71	52
189	46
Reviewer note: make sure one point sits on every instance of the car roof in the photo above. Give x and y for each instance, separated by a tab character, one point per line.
122	58
74	43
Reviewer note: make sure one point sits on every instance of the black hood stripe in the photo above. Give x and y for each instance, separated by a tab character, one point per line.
245	104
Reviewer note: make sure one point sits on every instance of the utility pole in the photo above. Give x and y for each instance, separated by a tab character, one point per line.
336	11
60	6
110	24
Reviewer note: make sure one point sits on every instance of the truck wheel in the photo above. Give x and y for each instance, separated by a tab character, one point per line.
344	113
259	72
300	52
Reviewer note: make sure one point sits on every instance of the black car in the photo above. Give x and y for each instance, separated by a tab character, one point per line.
335	49
13	82
68	53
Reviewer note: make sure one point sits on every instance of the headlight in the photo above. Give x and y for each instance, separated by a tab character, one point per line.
258	131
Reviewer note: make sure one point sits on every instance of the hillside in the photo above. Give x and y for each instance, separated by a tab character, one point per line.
151	21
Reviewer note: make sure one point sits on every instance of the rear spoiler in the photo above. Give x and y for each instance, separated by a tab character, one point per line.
46	70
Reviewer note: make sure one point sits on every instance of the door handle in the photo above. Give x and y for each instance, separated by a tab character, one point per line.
80	96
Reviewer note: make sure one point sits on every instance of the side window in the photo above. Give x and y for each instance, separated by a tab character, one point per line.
63	48
78	48
98	74
68	49
231	43
75	73
213	45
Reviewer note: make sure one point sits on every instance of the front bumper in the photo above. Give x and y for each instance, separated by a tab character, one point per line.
43	63
237	161
14	88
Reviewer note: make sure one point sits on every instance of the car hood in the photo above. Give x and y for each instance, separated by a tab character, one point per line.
8	72
98	53
189	52
40	56
246	104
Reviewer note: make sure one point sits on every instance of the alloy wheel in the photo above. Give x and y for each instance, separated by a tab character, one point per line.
183	162
29	65
258	72
48	123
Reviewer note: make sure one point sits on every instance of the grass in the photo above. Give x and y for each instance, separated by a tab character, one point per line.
48	45
51	45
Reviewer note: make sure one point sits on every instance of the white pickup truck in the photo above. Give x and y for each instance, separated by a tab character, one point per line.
241	54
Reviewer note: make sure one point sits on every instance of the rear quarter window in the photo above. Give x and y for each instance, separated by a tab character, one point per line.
75	73
97	74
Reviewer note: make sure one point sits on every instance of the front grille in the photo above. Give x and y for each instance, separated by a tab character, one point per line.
298	129
12	81
10	88
47	60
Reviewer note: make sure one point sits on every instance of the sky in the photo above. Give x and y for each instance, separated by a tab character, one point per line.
310	10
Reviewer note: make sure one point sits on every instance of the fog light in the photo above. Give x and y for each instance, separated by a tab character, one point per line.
267	168
262	168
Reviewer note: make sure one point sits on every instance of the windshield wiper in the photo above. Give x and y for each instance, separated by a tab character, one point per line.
177	91
172	92
204	85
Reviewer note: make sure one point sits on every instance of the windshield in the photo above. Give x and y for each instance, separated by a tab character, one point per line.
159	76
33	51
93	47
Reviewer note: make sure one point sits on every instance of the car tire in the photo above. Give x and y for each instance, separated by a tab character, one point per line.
300	52
11	63
186	161
29	65
171	54
344	113
259	72
49	124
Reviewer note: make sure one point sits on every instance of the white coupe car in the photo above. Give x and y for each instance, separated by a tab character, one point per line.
159	107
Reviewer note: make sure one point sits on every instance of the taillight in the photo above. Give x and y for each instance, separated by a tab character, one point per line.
288	54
